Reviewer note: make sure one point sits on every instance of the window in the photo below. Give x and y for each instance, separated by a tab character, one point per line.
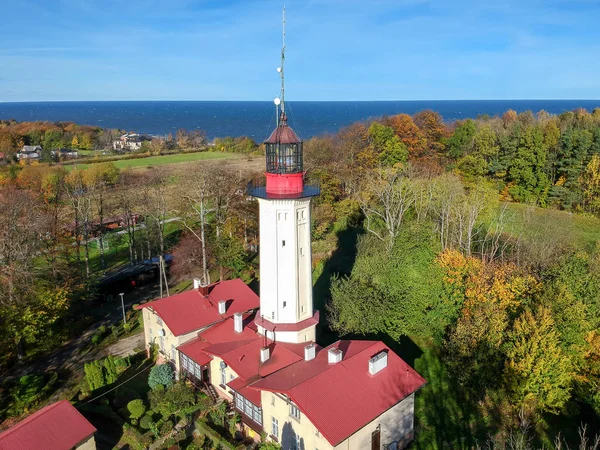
283	243
159	320
275	428
161	343
173	352
223	376
231	377
272	400
284	304
301	251
294	411
298	447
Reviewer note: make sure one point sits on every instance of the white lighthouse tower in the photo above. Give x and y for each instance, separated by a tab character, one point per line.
286	304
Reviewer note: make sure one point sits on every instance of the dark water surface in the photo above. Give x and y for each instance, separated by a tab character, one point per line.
255	119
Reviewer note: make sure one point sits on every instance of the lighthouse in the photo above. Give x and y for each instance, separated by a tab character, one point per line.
286	302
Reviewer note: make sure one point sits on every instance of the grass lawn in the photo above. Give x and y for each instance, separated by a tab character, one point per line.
165	159
562	228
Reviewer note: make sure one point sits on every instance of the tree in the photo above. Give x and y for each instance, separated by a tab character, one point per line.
408	132
384	201
539	375
432	126
461	140
162	375
591	186
136	408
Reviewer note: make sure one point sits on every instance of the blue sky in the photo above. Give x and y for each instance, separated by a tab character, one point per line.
337	49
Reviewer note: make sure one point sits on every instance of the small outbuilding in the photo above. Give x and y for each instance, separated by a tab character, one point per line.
58	426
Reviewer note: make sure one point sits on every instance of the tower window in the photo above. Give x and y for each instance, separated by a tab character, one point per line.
284	304
301	251
283	243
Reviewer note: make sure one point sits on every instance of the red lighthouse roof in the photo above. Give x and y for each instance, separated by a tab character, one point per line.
283	134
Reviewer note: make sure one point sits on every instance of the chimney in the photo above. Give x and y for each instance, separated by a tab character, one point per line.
238	322
309	352
222	306
334	355
201	287
378	362
265	353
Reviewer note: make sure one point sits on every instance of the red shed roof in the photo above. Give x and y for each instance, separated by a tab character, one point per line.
58	426
353	396
190	310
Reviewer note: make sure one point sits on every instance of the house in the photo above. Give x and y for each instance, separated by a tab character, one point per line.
66	153
129	142
30	152
262	354
172	321
58	426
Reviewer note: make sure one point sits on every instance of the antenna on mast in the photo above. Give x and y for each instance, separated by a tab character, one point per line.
282	61
280	101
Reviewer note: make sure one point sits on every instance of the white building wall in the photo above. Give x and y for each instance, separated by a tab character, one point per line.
285	260
168	343
396	425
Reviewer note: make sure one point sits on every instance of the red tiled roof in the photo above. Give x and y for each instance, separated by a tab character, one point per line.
240	385
271	326
190	311
193	349
58	426
353	396
241	351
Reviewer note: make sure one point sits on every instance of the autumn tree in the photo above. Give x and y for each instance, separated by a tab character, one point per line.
538	374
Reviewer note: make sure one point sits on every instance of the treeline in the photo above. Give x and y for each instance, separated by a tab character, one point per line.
540	159
506	317
51	136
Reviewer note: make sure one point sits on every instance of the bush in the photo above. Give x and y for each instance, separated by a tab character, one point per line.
146	422
96	338
136	408
94	375
114	330
161	375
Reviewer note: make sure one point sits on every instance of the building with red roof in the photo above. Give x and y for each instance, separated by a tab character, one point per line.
58	426
171	321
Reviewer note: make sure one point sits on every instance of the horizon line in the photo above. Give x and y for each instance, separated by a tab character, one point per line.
314	101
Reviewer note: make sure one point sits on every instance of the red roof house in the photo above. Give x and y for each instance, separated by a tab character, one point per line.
58	426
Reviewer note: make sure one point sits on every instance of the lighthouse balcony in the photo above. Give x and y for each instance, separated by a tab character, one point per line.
260	189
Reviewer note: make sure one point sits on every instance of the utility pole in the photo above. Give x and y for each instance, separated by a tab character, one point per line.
123	306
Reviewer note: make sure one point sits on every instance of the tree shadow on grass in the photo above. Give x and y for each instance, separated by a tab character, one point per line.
340	263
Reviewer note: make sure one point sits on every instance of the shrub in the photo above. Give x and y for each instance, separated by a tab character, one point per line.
146	422
161	375
114	330
96	338
94	375
110	370
136	408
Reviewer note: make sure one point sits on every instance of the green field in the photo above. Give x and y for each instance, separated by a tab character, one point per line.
560	228
166	159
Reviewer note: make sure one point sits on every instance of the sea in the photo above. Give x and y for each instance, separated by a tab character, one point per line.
256	119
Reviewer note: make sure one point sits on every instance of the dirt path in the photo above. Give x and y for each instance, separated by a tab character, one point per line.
126	346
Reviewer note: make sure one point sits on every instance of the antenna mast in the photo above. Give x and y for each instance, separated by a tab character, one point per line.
282	61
